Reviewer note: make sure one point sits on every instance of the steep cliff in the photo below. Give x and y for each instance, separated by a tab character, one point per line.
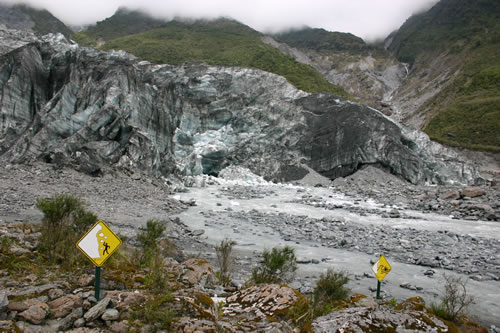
94	110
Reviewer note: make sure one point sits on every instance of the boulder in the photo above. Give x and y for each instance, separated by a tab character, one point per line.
110	315
262	301
198	273
36	313
473	192
69	320
452	195
381	319
62	306
125	299
97	310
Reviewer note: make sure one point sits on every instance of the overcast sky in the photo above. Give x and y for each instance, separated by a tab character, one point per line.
368	19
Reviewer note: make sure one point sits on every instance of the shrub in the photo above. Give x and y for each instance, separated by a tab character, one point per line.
157	311
331	287
224	260
278	265
454	299
148	240
65	220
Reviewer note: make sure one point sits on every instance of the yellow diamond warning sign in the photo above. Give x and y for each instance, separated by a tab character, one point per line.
99	243
381	268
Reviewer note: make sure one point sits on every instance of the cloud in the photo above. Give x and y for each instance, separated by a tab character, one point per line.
368	19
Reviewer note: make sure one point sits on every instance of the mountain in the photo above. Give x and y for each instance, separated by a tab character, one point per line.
368	72
96	110
124	22
39	21
219	42
453	88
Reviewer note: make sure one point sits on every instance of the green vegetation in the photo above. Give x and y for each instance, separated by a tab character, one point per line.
278	265
466	113
157	311
124	22
329	294
323	41
65	220
450	25
44	21
221	42
224	260
454	300
330	288
148	240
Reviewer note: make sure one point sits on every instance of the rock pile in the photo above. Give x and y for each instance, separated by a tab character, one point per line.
444	249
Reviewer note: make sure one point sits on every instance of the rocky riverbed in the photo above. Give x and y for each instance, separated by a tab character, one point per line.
344	225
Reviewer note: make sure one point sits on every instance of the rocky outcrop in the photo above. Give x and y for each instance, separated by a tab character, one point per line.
13	39
94	110
372	77
383	319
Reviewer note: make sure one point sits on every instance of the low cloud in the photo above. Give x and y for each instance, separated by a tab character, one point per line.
367	19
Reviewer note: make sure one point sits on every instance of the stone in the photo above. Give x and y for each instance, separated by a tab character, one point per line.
68	321
473	192
383	319
86	280
55	293
266	300
36	313
80	322
17	306
125	299
452	195
62	306
97	310
119	326
111	315
199	273
4	301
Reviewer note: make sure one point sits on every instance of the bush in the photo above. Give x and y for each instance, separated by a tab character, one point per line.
224	260
148	240
278	265
331	287
65	220
454	300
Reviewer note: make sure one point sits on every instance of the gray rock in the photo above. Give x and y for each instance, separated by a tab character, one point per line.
159	120
4	301
111	314
68	321
80	322
97	310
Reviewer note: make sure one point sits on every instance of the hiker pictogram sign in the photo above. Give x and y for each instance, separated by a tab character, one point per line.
99	243
381	268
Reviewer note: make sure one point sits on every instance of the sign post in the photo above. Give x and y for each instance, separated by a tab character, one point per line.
381	269
98	244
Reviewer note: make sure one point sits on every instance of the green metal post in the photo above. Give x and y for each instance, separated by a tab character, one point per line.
97	282
378	289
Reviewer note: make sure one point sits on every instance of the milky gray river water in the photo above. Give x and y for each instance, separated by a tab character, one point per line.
214	205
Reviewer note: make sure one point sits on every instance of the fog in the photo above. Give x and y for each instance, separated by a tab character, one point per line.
367	19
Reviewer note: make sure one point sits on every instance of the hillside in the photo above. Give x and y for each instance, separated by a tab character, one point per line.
124	22
220	42
23	17
461	39
323	41
366	71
